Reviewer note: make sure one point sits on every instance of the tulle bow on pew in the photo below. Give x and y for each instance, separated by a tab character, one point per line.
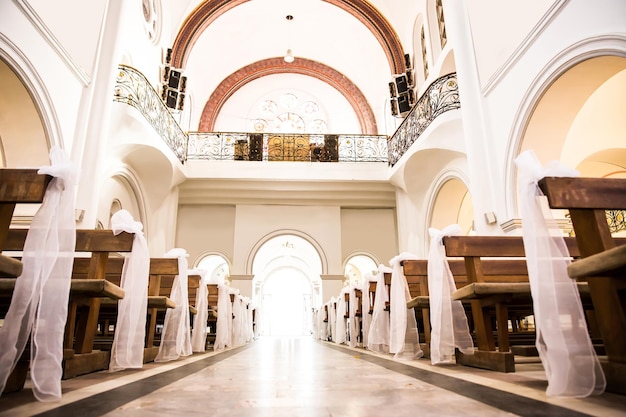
403	334
40	299
563	342
130	328
176	337
449	329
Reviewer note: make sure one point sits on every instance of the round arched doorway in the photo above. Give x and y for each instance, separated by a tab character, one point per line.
286	286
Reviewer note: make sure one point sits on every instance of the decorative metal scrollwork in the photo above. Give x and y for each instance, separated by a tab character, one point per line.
133	88
440	97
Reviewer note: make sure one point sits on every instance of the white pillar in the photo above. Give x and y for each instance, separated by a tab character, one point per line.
92	131
482	170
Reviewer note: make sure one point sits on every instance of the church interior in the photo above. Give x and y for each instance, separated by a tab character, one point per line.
332	207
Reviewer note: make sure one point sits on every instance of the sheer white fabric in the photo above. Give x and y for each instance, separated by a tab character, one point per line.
199	332
238	320
176	337
570	361
39	304
332	318
224	319
378	339
449	329
354	321
130	329
341	318
366	318
403	333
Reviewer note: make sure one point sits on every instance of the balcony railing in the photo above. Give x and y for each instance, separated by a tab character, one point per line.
133	88
287	147
440	97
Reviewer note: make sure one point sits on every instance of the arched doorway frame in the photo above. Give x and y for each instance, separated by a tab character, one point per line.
611	45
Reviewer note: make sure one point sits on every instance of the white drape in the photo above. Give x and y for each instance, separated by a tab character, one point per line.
238	319
130	328
366	319
199	331
340	316
378	339
353	329
403	333
41	295
449	329
570	361
224	319
176	337
332	318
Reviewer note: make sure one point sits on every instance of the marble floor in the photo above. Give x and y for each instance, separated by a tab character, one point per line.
299	376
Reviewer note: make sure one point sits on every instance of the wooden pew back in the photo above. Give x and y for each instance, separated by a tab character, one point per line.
587	200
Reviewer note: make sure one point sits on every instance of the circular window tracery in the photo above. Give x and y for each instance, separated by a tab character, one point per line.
288	113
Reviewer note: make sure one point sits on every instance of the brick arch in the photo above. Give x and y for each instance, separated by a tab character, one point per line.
208	11
301	66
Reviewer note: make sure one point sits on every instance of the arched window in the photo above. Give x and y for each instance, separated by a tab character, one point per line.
357	266
216	266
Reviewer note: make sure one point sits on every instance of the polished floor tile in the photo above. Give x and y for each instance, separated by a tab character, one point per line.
303	377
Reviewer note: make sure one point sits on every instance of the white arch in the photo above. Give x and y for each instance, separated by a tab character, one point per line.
21	65
610	45
263	240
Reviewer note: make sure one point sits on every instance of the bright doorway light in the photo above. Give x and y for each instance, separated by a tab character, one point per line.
287	303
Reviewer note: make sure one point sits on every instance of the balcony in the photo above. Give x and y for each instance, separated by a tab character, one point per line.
440	97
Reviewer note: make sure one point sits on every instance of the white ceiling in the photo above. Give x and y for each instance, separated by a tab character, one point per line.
257	30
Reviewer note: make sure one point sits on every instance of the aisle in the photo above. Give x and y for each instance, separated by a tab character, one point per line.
291	377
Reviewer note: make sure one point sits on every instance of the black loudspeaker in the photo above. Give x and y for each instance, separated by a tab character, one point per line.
401	84
394	106
407	61
168	56
164	93
172	98
392	90
411	97
174	79
181	102
409	79
403	103
183	84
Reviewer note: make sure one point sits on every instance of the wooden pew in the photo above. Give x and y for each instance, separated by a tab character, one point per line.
497	291
165	283
159	267
603	265
416	273
213	295
17	186
79	356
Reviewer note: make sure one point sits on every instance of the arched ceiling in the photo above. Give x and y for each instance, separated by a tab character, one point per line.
352	38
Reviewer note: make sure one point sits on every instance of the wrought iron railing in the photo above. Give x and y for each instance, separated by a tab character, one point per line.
133	88
286	147
440	97
616	220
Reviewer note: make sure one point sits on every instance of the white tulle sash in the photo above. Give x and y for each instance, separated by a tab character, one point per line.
449	329
176	337
130	328
563	342
40	299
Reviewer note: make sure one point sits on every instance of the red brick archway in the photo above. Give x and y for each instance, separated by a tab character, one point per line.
259	69
207	12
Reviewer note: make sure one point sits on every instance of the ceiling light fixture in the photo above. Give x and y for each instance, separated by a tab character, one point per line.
289	58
